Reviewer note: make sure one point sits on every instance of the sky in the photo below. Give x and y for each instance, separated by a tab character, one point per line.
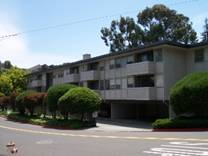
68	43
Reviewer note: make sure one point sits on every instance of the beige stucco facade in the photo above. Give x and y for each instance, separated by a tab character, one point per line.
140	75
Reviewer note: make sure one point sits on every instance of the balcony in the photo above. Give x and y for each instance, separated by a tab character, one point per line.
142	93
72	78
89	75
35	83
141	68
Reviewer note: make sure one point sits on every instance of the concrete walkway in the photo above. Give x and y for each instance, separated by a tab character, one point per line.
120	125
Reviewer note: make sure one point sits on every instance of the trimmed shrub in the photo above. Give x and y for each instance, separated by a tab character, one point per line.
33	101
181	122
79	100
4	102
20	101
54	93
190	95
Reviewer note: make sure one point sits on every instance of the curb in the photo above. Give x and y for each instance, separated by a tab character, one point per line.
180	129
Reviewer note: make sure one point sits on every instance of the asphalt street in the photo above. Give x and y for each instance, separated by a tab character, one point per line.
34	140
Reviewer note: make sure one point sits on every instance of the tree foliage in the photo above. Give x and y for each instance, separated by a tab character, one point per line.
17	77
123	34
6	86
33	101
54	93
190	95
20	103
154	24
79	100
13	79
205	32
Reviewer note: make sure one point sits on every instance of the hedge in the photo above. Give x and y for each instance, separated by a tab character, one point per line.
181	122
79	100
54	93
190	95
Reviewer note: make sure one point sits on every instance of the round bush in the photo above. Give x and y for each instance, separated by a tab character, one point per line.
79	100
54	93
20	104
190	95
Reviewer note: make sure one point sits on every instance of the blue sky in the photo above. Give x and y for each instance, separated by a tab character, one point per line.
69	43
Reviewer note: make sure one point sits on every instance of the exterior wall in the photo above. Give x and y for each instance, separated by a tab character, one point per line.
176	62
174	67
193	66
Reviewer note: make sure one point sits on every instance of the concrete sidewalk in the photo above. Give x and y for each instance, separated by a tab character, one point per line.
120	125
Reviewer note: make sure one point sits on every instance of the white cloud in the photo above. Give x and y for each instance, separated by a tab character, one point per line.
17	51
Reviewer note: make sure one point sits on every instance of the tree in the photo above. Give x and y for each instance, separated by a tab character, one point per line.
205	32
161	23
154	24
20	101
7	64
79	100
17	77
6	86
33	101
122	35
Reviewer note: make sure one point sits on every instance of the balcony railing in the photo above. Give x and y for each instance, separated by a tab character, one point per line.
142	93
141	68
72	78
89	75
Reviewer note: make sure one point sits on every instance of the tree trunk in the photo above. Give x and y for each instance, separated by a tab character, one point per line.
82	117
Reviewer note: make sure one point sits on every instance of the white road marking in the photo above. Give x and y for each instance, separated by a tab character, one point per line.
199	148
180	149
44	142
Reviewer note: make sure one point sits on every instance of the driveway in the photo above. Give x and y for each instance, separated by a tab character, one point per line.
121	125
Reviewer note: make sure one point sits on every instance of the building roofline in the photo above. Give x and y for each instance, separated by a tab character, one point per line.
142	47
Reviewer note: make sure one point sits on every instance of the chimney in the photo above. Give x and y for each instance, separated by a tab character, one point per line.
86	56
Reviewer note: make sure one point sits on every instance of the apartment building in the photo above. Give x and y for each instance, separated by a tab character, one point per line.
134	83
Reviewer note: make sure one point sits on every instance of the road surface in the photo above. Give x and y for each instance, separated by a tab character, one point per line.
34	140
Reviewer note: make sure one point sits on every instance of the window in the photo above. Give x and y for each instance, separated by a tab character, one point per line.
107	84
130	82
93	84
115	84
112	64
102	68
112	84
144	81
130	59
120	62
158	56
60	75
74	70
118	83
39	77
146	56
199	55
101	84
92	66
